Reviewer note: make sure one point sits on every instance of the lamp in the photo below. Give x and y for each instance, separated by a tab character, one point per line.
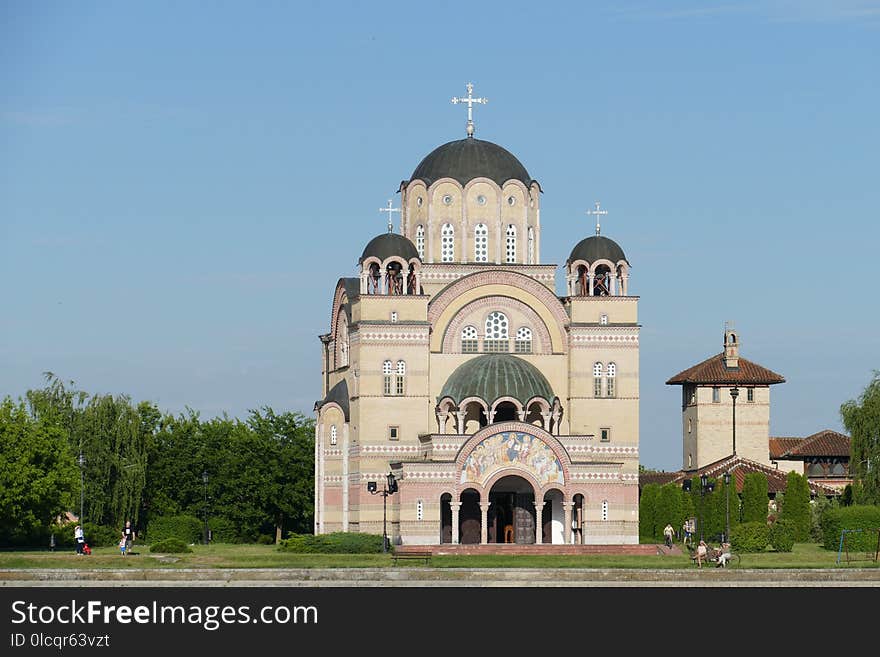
389	488
704	482
205	481
727	504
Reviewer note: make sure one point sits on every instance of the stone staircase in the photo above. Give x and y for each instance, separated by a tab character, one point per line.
525	549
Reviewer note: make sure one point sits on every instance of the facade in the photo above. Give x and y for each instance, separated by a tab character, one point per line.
506	413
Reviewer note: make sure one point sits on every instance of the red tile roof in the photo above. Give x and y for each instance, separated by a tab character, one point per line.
712	370
823	443
739	467
779	447
656	477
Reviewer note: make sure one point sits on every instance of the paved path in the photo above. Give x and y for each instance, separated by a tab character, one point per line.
443	577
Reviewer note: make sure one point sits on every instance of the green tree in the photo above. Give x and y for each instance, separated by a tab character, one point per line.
796	509
755	497
861	417
38	477
648	511
669	508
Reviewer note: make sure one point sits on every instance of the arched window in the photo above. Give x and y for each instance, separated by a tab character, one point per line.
597	380
386	376
447	243
420	241
481	243
401	373
497	337
469	343
815	470
511	243
611	373
333	434
343	344
523	340
531	245
604	510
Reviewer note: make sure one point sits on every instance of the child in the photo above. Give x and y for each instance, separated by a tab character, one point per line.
122	544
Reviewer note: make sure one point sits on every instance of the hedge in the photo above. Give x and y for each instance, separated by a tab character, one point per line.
189	529
170	545
750	537
834	521
782	535
335	543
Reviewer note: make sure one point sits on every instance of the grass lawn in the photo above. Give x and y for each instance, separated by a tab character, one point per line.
804	555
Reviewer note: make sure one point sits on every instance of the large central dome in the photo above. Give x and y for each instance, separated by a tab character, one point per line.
470	158
497	375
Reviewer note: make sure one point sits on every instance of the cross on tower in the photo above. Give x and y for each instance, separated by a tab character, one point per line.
470	100
389	210
598	213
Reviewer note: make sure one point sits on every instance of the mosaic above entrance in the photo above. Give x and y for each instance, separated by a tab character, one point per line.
512	449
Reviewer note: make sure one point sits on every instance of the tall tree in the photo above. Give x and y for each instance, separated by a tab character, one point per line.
755	497
648	511
797	505
38	477
861	417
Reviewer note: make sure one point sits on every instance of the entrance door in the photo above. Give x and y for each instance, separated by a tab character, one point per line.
512	499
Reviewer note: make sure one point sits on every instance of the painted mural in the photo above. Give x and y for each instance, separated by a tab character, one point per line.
512	449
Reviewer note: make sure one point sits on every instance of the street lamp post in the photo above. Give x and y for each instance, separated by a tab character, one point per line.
704	480
82	485
389	488
205	481
734	393
727	503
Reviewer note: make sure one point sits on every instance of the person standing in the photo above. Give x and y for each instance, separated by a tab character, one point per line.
669	534
702	551
128	535
79	539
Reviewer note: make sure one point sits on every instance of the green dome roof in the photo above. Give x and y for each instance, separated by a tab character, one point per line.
470	158
390	244
597	247
497	375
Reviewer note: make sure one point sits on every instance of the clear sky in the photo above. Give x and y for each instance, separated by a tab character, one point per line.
181	184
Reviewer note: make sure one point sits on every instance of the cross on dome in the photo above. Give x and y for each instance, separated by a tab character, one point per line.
470	100
389	210
598	213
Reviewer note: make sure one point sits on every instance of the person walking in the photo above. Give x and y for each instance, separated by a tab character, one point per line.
128	535
668	534
79	539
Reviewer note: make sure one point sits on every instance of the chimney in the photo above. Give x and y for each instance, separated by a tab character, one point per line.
731	347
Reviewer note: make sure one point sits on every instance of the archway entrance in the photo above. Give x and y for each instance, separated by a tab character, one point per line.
469	518
512	511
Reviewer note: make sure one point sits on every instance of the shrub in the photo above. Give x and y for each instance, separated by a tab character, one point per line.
750	537
782	535
335	543
817	509
189	529
223	530
170	545
99	535
648	512
851	517
265	539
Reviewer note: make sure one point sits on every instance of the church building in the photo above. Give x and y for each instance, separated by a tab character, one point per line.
505	412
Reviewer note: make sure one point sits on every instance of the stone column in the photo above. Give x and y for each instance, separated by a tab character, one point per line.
484	529
546	417
566	522
539	523
460	415
591	277
455	506
624	281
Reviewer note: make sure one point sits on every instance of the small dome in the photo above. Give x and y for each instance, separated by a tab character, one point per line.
470	158
390	244
597	247
497	375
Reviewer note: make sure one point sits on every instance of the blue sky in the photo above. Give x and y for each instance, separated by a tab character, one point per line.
170	225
